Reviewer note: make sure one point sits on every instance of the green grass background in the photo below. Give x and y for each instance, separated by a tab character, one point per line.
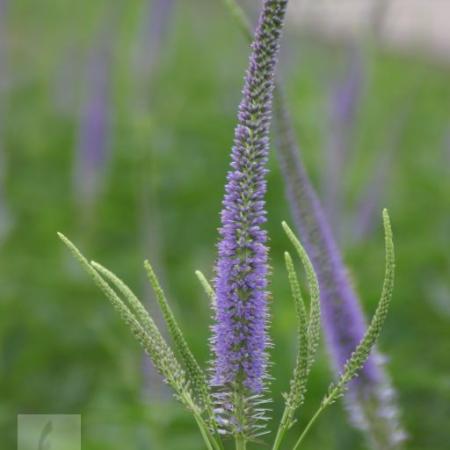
62	347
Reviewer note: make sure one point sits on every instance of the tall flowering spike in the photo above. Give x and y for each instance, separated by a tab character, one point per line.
371	398
240	336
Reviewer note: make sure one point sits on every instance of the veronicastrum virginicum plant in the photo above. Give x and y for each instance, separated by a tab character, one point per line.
232	402
371	401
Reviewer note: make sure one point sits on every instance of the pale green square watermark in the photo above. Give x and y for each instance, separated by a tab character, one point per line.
49	432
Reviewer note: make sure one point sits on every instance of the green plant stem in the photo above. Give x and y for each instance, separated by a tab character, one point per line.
279	437
204	434
241	444
282	428
309	425
280	432
211	442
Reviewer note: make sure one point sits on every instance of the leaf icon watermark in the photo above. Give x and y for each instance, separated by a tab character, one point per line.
44	444
49	432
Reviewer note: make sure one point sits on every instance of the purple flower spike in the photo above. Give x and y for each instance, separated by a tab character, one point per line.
240	333
371	399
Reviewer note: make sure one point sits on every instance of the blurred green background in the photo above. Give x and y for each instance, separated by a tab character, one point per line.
170	112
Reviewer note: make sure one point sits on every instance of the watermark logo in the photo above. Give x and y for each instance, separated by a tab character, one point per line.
49	432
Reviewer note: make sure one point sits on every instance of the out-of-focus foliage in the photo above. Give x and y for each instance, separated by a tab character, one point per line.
62	347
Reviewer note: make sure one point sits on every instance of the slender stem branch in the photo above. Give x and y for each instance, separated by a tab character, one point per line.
308	426
279	437
204	434
280	432
211	442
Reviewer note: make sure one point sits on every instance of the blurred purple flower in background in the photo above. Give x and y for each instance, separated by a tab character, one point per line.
345	100
371	398
93	137
344	103
154	28
3	5
5	214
